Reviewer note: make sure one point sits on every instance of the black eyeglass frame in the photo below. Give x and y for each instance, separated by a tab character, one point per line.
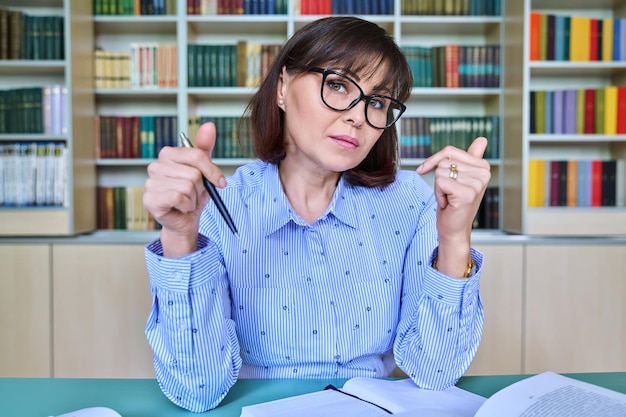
363	96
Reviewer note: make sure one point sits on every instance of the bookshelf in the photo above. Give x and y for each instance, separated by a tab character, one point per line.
115	33
561	139
74	211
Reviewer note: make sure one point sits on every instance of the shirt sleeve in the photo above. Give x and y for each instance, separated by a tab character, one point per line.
441	317
189	328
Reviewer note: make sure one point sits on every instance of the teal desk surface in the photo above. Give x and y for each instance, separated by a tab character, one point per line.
43	397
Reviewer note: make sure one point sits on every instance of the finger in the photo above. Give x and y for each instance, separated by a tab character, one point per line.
478	147
206	136
205	140
169	174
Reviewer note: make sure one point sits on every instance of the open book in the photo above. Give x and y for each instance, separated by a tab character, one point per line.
546	394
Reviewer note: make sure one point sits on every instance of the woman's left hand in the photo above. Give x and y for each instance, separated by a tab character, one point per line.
461	178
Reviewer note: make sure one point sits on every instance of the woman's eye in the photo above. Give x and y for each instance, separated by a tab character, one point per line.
336	86
377	104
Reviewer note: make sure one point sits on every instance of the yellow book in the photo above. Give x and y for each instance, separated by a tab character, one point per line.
607	39
536	182
580	38
610	110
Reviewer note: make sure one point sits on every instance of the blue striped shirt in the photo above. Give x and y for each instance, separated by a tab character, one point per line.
352	294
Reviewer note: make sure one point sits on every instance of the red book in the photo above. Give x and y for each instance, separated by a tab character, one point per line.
621	109
555	182
535	28
590	111
452	66
596	183
593	41
135	150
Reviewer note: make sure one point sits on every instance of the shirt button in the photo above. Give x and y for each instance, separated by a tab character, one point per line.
178	276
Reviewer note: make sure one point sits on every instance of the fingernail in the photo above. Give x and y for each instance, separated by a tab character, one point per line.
221	182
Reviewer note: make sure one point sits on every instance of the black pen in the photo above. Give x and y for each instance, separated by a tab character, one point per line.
185	142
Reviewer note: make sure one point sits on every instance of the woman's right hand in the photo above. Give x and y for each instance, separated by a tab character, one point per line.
174	192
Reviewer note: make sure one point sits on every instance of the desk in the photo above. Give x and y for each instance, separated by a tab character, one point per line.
42	397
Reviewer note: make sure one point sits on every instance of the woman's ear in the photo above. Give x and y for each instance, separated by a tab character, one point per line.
281	89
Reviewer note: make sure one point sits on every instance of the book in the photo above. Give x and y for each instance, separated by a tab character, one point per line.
543	394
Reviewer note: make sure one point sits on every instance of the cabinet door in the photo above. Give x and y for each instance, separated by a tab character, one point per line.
575	319
25	310
101	303
501	294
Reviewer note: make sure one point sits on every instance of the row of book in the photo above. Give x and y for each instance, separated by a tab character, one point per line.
575	183
420	137
326	7
309	7
33	174
454	65
134	7
121	207
579	111
488	214
146	65
452	7
244	64
26	36
215	7
34	110
233	135
555	37
131	137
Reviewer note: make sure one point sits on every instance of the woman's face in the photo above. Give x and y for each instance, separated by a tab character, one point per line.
320	138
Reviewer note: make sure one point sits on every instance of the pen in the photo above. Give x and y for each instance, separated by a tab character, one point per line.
185	142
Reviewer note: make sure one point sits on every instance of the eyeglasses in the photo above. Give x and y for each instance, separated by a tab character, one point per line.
341	93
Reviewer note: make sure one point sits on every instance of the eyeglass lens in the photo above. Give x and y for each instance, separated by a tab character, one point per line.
342	93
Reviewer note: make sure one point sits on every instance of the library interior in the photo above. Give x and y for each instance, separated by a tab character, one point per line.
90	91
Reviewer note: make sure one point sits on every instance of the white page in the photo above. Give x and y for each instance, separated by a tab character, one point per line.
317	404
401	396
553	395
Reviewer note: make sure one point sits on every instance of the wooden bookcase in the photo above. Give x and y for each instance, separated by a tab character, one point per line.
116	33
77	215
524	75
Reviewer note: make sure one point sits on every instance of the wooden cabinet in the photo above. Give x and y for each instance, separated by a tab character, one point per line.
500	350
79	309
101	300
575	315
25	310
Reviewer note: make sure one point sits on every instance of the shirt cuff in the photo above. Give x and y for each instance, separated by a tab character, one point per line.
449	289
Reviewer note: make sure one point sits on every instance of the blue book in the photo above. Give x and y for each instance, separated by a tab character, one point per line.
569	111
557	112
559	37
622	39
583	191
616	39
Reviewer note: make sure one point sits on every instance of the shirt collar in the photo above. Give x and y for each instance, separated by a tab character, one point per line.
279	211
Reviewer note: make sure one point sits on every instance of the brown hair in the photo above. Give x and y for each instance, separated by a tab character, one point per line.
352	45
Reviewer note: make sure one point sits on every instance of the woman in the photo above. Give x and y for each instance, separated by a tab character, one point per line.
344	266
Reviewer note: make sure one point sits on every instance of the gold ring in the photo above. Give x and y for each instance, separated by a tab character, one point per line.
453	171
